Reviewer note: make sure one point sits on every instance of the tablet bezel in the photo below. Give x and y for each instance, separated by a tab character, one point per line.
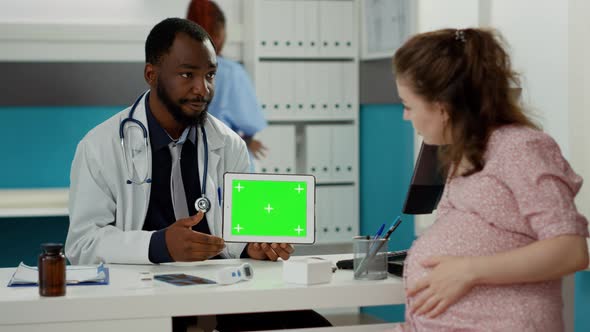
227	198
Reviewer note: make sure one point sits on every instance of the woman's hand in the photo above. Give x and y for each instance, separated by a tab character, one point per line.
450	279
453	277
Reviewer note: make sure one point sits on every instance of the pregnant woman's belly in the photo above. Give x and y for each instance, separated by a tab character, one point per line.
485	308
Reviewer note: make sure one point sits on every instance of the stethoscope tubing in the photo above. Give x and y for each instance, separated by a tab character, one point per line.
146	179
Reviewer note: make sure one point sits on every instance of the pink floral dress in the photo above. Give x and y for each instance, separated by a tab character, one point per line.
525	193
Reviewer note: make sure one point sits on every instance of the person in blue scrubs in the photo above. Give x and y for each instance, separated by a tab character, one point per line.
235	100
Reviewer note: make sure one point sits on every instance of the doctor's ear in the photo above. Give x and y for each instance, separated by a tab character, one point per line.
150	74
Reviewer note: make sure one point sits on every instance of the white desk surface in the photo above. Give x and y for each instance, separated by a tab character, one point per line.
126	299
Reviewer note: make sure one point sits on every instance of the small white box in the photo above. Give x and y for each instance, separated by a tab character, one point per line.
307	270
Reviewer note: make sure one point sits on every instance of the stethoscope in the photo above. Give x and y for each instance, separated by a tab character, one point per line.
202	203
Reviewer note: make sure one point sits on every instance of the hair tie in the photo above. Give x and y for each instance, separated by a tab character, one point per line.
460	35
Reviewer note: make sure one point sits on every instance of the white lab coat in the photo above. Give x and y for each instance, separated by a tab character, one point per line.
107	214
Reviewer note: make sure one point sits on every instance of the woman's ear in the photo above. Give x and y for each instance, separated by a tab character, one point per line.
446	119
444	111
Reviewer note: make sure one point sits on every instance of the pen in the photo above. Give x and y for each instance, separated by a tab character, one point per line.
379	232
219	196
372	253
391	229
395	224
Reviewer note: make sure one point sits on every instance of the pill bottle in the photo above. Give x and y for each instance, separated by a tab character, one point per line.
52	270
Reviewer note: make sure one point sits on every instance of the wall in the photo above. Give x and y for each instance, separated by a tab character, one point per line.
544	69
39	143
579	76
579	135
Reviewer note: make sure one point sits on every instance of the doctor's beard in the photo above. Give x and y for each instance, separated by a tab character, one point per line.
175	108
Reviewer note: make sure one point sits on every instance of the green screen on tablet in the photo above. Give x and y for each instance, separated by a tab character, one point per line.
269	207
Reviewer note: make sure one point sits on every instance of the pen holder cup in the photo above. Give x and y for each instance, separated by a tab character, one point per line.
369	258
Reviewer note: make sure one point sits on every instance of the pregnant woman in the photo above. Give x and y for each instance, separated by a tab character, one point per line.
507	229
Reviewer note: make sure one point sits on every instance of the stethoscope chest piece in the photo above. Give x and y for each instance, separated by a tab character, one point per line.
203	204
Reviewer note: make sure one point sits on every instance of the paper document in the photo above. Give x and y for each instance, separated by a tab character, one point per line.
29	275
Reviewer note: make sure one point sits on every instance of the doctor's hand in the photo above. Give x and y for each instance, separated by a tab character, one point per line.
185	245
272	251
451	278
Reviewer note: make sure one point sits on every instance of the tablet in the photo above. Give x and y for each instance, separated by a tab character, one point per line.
271	208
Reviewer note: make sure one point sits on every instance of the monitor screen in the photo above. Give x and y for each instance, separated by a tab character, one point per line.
427	183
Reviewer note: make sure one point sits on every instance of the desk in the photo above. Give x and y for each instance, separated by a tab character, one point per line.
124	305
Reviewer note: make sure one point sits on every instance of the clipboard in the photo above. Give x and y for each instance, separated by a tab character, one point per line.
101	271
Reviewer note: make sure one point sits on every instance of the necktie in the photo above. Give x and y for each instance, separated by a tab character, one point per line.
176	186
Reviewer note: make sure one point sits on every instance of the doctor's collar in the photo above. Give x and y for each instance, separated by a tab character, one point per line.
159	138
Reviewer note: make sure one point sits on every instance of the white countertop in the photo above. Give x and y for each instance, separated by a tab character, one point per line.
126	298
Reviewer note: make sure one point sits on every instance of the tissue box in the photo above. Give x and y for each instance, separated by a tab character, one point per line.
307	270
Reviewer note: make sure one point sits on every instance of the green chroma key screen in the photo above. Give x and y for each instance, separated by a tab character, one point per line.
269	208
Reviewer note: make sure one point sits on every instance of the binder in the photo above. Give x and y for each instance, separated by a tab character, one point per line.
333	89
323	214
301	101
276	98
336	31
348	92
280	156
346	36
264	88
273	27
314	88
344	226
324	76
286	73
312	28
286	27
317	154
299	45
342	153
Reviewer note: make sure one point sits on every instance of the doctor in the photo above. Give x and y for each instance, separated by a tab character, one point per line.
136	177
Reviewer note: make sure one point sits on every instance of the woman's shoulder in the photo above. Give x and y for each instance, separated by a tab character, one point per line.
526	151
518	133
518	140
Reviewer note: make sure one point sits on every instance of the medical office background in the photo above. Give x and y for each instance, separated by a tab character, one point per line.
68	65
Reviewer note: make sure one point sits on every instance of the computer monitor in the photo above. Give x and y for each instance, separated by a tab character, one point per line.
427	183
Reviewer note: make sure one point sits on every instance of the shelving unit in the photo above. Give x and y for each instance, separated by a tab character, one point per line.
34	202
303	58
